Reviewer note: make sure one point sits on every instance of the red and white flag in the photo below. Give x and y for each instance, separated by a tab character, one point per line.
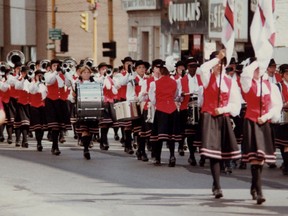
228	34
262	33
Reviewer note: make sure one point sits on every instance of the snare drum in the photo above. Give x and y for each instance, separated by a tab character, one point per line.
127	110
193	113
284	117
89	101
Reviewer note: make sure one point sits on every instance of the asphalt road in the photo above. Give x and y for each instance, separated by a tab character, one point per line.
115	183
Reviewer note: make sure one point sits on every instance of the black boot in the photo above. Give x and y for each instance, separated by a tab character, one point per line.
86	142
128	142
39	137
215	171
18	134
55	148
256	171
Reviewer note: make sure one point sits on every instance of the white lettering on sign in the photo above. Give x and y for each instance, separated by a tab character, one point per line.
139	4
184	12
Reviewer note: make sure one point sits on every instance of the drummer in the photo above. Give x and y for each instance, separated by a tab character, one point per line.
86	128
109	92
189	91
280	130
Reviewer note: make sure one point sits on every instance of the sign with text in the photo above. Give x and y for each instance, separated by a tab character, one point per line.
55	34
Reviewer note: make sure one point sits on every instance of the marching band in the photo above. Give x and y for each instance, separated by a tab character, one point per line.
200	105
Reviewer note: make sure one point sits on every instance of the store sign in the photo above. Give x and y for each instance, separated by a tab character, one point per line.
184	12
216	16
184	17
130	5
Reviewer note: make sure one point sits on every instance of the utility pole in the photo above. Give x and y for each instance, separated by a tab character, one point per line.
95	14
53	27
110	24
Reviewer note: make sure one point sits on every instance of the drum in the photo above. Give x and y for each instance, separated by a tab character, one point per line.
151	113
127	110
89	101
193	113
284	117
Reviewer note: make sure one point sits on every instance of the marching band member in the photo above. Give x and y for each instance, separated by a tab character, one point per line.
5	97
273	77
38	93
57	114
280	130
264	105
221	98
109	91
22	118
148	111
133	92
190	85
86	128
163	93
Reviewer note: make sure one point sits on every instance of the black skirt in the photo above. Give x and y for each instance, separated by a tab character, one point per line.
87	126
9	116
257	142
218	138
166	127
22	117
57	114
280	135
37	119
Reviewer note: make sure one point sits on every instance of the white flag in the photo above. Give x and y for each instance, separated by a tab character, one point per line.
262	33
228	34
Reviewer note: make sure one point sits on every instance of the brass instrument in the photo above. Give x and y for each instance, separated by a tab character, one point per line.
89	62
3	67
15	56
43	64
32	66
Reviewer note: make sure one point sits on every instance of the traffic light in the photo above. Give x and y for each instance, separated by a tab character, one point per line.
84	21
112	49
64	43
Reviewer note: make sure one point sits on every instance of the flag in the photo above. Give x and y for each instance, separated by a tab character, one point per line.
262	33
228	34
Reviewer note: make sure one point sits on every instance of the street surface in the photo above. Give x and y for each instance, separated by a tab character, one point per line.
115	183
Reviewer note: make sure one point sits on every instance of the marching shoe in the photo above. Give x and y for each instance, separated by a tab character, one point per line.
24	145
62	139
138	155
116	137
181	152
260	199
55	151
218	193
129	151
39	148
9	140
202	162
106	146
144	157
172	162
192	161
17	144
157	163
87	155
272	165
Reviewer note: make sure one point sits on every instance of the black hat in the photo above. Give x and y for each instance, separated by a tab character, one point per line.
103	64
283	68
39	72
158	63
24	68
232	61
147	65
272	63
180	63
214	54
193	61
17	64
128	58
139	62
55	61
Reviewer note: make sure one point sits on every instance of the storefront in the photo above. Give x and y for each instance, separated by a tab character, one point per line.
184	25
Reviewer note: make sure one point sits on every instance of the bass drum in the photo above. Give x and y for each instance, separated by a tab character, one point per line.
89	101
193	113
